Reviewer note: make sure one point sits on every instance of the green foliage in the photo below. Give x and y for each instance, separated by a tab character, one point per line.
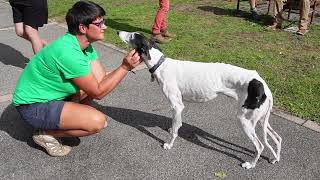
212	31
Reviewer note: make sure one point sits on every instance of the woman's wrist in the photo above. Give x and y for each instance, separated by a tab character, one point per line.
125	67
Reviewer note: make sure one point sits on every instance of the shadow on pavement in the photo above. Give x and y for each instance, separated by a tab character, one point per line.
140	120
13	125
10	56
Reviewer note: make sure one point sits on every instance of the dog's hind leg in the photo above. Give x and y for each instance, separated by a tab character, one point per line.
267	130
277	139
248	126
177	106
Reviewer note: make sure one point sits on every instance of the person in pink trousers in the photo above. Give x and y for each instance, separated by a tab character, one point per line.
159	29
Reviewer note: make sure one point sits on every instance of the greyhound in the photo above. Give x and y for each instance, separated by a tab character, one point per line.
201	82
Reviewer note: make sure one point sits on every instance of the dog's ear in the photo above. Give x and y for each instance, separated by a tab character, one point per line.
145	50
154	44
145	47
142	45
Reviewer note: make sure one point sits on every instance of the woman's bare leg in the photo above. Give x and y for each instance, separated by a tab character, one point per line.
31	34
19	28
99	73
34	38
79	120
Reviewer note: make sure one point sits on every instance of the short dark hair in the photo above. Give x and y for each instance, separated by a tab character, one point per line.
83	12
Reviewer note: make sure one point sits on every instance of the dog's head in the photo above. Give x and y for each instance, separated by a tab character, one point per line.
139	42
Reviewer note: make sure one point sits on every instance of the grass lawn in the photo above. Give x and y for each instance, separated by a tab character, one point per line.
212	31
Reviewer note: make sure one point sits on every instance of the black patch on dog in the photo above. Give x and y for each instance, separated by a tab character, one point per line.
143	44
256	95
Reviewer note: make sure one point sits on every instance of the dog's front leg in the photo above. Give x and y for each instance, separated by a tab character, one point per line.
176	124
177	105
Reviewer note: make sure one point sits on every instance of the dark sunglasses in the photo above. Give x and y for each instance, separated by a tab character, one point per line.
99	24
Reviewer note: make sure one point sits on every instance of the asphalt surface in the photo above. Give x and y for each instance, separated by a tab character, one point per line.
209	141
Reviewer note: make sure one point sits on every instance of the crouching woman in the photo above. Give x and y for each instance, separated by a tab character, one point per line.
54	91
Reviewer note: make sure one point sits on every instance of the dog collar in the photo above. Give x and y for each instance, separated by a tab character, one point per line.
155	67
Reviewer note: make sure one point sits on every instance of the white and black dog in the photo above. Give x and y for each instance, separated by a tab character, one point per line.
200	82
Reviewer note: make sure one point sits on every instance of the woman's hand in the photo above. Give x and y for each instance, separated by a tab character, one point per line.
132	60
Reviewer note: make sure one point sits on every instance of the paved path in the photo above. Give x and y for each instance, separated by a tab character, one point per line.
209	141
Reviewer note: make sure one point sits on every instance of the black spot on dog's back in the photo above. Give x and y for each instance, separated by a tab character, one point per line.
256	95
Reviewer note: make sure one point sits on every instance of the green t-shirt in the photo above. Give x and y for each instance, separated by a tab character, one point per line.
48	75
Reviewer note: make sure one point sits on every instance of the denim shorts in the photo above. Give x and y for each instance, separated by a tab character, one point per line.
42	115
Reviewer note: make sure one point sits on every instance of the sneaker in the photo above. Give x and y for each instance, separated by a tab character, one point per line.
254	15
51	144
301	32
160	39
169	35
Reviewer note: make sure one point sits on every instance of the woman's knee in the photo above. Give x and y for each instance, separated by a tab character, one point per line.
97	123
98	70
20	32
31	32
19	28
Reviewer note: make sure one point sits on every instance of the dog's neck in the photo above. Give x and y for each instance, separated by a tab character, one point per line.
155	57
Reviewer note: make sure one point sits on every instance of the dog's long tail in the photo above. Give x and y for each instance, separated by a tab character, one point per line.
267	130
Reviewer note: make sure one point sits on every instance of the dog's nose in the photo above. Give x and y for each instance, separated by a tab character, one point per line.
118	32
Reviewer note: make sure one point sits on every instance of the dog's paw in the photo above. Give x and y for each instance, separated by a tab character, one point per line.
273	161
167	146
247	165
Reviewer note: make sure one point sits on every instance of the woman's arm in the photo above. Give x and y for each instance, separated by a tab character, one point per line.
91	86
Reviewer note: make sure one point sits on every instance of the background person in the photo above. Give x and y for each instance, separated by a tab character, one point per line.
253	9
54	91
28	16
159	29
304	6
